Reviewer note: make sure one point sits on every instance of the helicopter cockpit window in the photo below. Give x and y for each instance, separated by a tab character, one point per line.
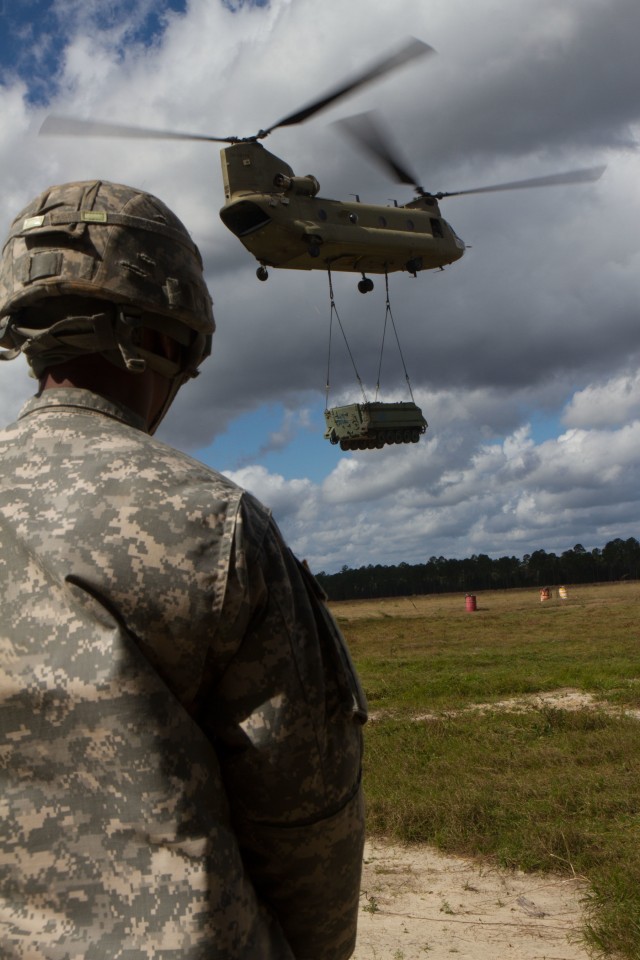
436	227
322	214
382	221
353	218
410	225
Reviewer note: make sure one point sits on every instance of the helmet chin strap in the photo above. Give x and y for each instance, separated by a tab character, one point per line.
118	336
137	358
193	349
176	383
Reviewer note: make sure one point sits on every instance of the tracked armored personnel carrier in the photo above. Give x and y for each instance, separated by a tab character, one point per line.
369	426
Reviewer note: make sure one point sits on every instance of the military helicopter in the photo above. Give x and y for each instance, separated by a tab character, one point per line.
283	221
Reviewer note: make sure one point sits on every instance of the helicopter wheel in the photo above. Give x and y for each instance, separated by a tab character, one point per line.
365	285
262	274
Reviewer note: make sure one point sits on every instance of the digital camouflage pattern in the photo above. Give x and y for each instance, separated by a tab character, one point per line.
180	739
94	238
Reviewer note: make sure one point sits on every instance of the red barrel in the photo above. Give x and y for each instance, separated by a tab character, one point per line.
470	602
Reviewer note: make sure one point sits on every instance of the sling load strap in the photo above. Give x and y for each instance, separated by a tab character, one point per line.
334	312
389	316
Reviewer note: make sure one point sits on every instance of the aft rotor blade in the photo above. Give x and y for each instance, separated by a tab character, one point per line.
411	50
72	127
365	130
588	175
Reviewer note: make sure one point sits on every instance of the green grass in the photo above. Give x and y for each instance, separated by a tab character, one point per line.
543	789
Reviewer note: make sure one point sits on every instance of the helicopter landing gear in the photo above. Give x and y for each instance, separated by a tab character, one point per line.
262	274
365	285
314	246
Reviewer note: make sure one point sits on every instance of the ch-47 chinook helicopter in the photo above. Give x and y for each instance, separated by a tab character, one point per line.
284	222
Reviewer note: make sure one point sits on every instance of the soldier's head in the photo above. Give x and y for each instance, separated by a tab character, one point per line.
99	280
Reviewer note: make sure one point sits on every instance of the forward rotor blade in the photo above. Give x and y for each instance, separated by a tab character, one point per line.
411	50
588	175
71	127
365	130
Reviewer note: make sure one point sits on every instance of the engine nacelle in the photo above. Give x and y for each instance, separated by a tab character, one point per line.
302	186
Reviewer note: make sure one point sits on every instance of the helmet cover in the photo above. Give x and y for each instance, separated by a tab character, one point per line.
114	243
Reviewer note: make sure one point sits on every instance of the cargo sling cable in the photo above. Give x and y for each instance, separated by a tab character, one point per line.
369	426
334	312
389	316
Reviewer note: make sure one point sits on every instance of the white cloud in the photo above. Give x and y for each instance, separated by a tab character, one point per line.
285	497
511	497
608	404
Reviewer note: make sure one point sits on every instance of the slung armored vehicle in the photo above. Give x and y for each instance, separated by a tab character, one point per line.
369	426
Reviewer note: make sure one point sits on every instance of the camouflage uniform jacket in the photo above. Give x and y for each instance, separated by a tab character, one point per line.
180	738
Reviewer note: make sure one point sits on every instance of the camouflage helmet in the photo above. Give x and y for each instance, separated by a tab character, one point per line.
115	244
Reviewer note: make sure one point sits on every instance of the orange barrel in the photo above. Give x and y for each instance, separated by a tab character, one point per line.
470	602
545	594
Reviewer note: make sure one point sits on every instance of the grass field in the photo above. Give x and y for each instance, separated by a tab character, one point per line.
450	764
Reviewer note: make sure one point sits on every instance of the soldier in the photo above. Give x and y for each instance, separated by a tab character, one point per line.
180	721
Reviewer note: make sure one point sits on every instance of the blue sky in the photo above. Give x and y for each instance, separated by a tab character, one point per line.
266	435
31	31
523	356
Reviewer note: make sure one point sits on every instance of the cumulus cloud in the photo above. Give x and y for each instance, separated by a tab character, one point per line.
607	404
285	497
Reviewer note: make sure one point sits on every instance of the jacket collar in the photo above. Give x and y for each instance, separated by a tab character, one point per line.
78	399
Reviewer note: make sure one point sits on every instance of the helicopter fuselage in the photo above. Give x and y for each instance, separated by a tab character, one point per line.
283	222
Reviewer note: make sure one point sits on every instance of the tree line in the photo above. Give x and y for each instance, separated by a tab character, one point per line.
618	560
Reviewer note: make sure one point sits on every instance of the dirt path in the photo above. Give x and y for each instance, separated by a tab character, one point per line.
417	904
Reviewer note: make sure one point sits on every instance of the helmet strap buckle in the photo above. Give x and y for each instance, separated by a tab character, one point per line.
128	321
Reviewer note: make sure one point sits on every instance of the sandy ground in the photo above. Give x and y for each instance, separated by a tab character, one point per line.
417	904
